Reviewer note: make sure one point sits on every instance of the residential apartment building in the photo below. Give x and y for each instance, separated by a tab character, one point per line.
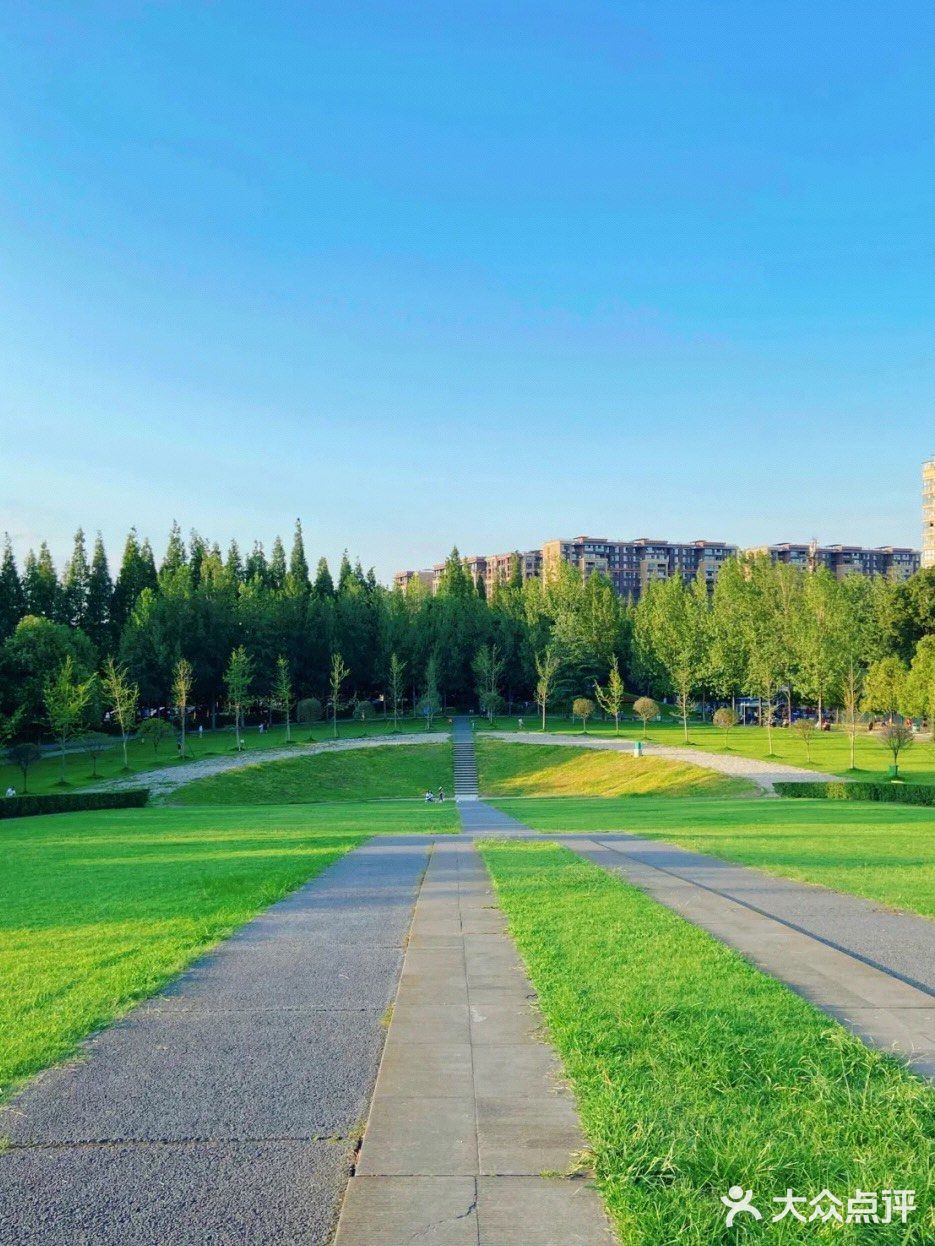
491	568
928	513
630	565
896	562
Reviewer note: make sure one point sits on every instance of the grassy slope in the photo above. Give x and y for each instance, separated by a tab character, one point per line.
394	772
694	1071
506	769
44	776
883	852
99	910
830	749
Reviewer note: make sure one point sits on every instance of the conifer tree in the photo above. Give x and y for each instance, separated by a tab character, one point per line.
76	584
324	584
297	582
174	557
256	569
100	592
40	584
277	566
12	597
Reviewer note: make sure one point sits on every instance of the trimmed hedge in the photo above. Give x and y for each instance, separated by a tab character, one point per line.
894	793
71	802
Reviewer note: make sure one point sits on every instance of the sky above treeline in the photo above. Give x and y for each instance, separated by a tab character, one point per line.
485	274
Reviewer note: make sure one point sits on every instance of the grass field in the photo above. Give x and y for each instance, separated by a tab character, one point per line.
393	772
506	769
44	776
830	749
99	910
695	1072
883	852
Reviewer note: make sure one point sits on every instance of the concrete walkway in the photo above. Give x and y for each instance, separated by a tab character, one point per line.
226	1109
762	772
469	1112
165	779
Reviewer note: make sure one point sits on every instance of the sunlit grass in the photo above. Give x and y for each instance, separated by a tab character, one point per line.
99	910
694	1071
883	852
506	769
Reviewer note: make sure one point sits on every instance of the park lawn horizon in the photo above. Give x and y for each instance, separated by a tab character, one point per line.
101	910
390	772
142	757
693	1071
830	749
518	769
882	852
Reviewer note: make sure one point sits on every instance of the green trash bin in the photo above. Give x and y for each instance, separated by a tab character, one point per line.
892	772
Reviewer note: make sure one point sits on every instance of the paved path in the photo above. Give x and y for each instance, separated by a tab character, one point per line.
763	772
469	1111
225	1110
166	779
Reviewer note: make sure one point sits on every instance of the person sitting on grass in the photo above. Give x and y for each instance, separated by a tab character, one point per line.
429	798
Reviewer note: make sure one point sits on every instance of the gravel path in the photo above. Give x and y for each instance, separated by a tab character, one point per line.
167	778
761	771
225	1110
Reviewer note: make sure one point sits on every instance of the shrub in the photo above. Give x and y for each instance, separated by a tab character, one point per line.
583	708
894	793
646	709
308	710
72	802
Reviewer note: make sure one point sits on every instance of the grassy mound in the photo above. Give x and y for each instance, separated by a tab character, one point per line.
398	771
506	769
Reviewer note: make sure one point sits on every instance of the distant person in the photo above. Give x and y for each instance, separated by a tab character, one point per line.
429	798
441	794
519	724
201	729
11	791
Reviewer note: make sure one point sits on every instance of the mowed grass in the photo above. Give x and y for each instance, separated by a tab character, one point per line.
391	772
142	757
830	749
695	1072
882	852
506	769
99	910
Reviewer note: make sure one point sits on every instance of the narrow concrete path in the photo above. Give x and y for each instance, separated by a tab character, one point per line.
762	772
228	1108
469	1111
869	968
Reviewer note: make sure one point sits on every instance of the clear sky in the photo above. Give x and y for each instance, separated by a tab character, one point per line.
484	273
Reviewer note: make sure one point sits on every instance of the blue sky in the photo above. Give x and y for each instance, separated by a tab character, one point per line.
477	273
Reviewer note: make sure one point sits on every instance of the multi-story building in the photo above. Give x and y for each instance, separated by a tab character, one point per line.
928	513
631	565
896	562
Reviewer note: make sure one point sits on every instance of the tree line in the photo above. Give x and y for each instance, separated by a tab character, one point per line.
768	630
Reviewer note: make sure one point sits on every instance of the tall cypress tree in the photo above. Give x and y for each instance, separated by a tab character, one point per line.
345	573
234	564
175	552
12	597
197	547
41	584
277	566
75	583
137	571
298	564
256	570
100	592
324	585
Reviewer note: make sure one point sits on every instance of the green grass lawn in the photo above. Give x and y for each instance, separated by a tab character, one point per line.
883	852
695	1072
830	749
99	910
506	769
44	776
393	772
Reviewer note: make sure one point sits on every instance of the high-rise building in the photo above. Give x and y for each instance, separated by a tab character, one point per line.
894	561
928	513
